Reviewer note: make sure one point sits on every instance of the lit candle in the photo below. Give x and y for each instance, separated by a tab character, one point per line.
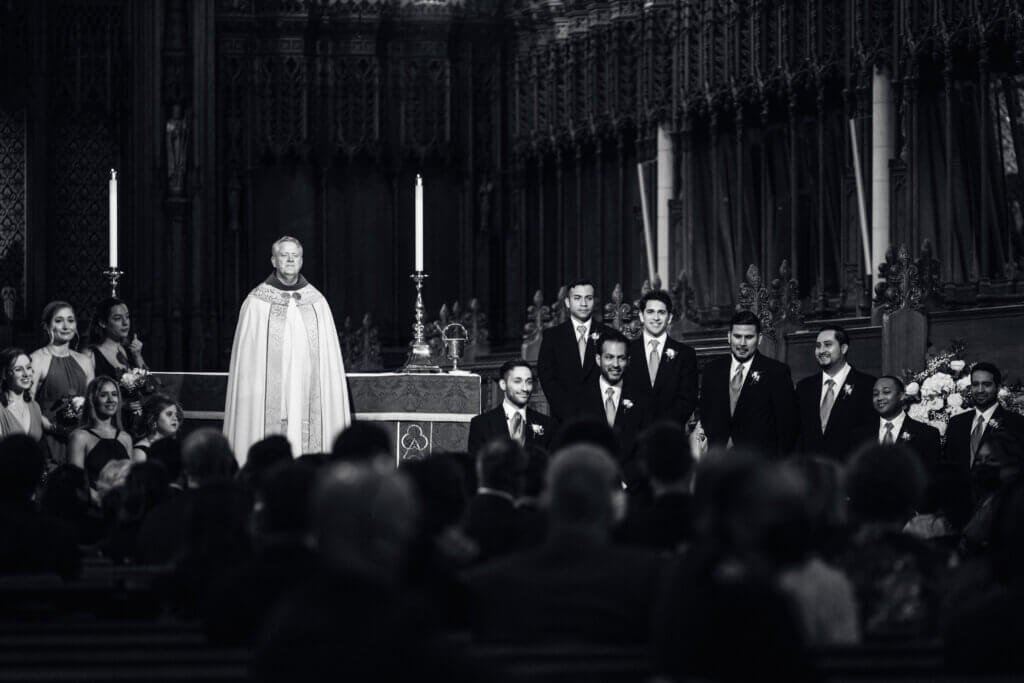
419	223
113	219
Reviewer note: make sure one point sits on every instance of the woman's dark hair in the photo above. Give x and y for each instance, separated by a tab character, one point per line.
92	392
7	358
98	324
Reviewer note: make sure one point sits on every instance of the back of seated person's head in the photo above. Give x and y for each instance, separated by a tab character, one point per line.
363	442
826	500
439	486
584	489
946	495
500	464
364	521
167	452
535	474
145	487
585	429
717	474
268	452
21	468
768	518
884	483
286	491
313	460
206	457
66	493
663	450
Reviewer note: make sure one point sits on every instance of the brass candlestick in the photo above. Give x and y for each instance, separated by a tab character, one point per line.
113	275
421	358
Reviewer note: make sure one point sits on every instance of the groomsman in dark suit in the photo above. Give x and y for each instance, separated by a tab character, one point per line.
968	431
610	398
565	363
835	402
662	370
894	426
747	399
512	419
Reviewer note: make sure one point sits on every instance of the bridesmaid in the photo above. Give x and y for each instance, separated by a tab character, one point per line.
101	439
114	350
18	412
60	370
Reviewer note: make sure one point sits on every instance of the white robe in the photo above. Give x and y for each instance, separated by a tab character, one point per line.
286	374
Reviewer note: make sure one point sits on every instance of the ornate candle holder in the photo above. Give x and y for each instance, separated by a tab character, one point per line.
113	275
421	358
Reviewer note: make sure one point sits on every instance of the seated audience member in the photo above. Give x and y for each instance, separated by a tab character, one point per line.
894	574
65	496
19	414
490	518
352	618
145	487
721	614
577	586
206	461
240	598
366	443
985	633
30	542
664	523
533	519
167	452
947	508
997	464
895	426
264	456
826	505
101	439
161	419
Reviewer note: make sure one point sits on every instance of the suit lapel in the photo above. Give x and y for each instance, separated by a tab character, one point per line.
499	424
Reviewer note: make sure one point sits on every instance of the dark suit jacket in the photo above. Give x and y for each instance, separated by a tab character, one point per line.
569	589
922	438
958	435
766	413
850	412
493	425
629	422
674	394
559	370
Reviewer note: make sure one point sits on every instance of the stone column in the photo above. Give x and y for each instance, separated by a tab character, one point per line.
666	182
883	143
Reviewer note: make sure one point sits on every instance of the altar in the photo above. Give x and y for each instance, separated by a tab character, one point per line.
422	413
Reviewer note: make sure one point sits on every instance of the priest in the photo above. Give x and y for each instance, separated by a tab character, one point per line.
286	374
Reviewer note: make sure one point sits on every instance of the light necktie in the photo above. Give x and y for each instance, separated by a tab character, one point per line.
735	387
653	360
609	407
826	404
887	440
517	428
581	342
976	433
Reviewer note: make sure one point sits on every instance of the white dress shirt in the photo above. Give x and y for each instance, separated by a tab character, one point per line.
575	327
897	425
736	364
616	395
661	345
839	379
510	410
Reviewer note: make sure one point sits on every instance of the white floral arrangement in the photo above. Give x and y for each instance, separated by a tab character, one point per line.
943	390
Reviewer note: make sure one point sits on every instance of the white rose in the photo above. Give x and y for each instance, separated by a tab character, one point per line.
1003	394
963	383
940	425
77	402
957	365
954	400
913	388
918	411
935	403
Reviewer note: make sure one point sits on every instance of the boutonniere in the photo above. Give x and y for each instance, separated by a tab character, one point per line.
670	354
755	377
905	436
595	337
627	404
848	390
538	430
993	423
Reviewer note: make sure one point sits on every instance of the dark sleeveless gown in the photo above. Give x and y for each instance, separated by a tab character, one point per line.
103	452
65	376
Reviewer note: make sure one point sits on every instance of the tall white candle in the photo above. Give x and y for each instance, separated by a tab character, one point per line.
113	218
419	223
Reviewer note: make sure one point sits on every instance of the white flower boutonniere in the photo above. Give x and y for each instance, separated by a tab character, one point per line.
848	390
994	423
595	337
755	377
538	430
905	436
627	404
670	354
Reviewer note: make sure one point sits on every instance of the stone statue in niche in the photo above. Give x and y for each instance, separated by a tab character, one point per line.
177	151
7	295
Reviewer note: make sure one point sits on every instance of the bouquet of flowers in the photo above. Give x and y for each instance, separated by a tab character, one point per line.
137	383
943	390
67	413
